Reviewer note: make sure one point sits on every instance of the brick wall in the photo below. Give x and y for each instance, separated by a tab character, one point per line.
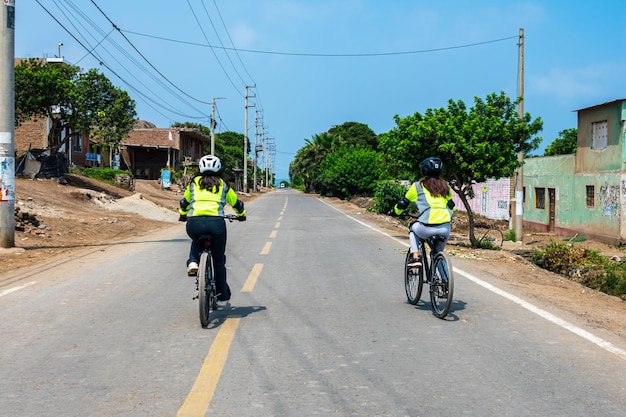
30	134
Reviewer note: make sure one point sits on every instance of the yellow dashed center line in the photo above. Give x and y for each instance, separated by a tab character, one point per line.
199	398
266	248
248	286
201	393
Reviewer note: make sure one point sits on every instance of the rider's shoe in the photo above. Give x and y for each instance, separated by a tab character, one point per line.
222	304
192	269
414	263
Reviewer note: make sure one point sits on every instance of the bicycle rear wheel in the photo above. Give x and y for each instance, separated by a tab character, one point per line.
442	285
205	289
413	282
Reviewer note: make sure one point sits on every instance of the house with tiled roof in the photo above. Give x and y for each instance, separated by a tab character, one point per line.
148	150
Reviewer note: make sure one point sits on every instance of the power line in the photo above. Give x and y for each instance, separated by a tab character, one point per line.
91	51
212	50
344	55
220	41
144	58
231	42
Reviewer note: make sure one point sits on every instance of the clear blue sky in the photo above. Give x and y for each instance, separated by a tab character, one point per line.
319	63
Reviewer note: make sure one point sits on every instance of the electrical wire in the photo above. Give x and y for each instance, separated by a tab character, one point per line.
343	55
213	50
102	62
144	58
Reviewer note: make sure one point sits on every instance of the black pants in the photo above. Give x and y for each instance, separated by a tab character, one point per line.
216	228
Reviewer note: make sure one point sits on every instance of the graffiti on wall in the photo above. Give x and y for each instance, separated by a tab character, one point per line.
608	197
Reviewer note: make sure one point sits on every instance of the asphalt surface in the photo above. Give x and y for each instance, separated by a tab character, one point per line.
318	326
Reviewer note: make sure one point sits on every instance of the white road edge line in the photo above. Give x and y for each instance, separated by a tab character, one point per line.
608	346
10	290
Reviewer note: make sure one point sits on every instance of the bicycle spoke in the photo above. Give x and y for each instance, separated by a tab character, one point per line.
441	287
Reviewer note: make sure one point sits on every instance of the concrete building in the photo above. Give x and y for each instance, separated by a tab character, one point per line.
584	193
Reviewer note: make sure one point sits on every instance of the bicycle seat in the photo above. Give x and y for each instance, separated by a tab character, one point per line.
205	238
437	238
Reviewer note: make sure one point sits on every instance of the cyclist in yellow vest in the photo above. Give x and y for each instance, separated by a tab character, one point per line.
203	209
433	197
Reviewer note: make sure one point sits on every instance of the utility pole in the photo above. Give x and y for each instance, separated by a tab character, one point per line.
267	146
7	128
519	174
256	147
213	123
245	141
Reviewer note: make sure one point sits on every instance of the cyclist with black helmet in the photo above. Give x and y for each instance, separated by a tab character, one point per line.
202	207
433	197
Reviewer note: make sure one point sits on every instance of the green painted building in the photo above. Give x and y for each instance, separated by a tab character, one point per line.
582	194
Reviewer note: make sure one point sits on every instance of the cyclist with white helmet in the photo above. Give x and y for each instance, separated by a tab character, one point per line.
433	197
202	207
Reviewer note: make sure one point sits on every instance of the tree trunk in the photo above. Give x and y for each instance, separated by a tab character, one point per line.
470	217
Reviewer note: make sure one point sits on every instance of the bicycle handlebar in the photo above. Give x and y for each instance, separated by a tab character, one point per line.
232	217
229	217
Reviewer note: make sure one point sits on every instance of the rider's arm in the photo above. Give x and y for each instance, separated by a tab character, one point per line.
237	204
185	203
409	197
450	201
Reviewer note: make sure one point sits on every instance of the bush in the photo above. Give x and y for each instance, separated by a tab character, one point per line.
386	196
106	175
585	266
349	171
509	235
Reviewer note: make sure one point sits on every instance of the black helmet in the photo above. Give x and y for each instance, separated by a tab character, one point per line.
431	167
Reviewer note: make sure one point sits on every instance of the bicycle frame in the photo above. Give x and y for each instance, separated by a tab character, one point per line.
207	294
205	281
436	270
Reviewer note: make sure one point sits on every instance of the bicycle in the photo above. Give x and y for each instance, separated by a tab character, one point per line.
205	281
436	270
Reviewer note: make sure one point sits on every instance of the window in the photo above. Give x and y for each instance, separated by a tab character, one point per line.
599	135
591	191
540	198
77	143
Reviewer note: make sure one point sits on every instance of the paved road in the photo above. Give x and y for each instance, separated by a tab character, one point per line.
318	326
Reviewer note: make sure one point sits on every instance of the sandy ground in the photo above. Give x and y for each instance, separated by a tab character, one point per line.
84	214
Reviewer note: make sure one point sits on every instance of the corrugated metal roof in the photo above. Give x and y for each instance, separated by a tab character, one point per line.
602	104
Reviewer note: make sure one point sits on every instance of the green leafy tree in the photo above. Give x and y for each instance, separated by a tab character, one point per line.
350	170
475	144
307	162
228	147
565	143
205	130
105	111
354	133
83	103
306	170
45	90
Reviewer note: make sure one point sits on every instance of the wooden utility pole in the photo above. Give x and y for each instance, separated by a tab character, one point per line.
7	127
245	142
519	174
213	123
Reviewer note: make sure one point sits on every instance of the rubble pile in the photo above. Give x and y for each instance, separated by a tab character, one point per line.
24	219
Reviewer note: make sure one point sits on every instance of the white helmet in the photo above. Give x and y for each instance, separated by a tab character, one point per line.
209	163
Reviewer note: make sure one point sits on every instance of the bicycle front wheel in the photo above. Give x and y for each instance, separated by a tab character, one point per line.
442	285
413	282
204	288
